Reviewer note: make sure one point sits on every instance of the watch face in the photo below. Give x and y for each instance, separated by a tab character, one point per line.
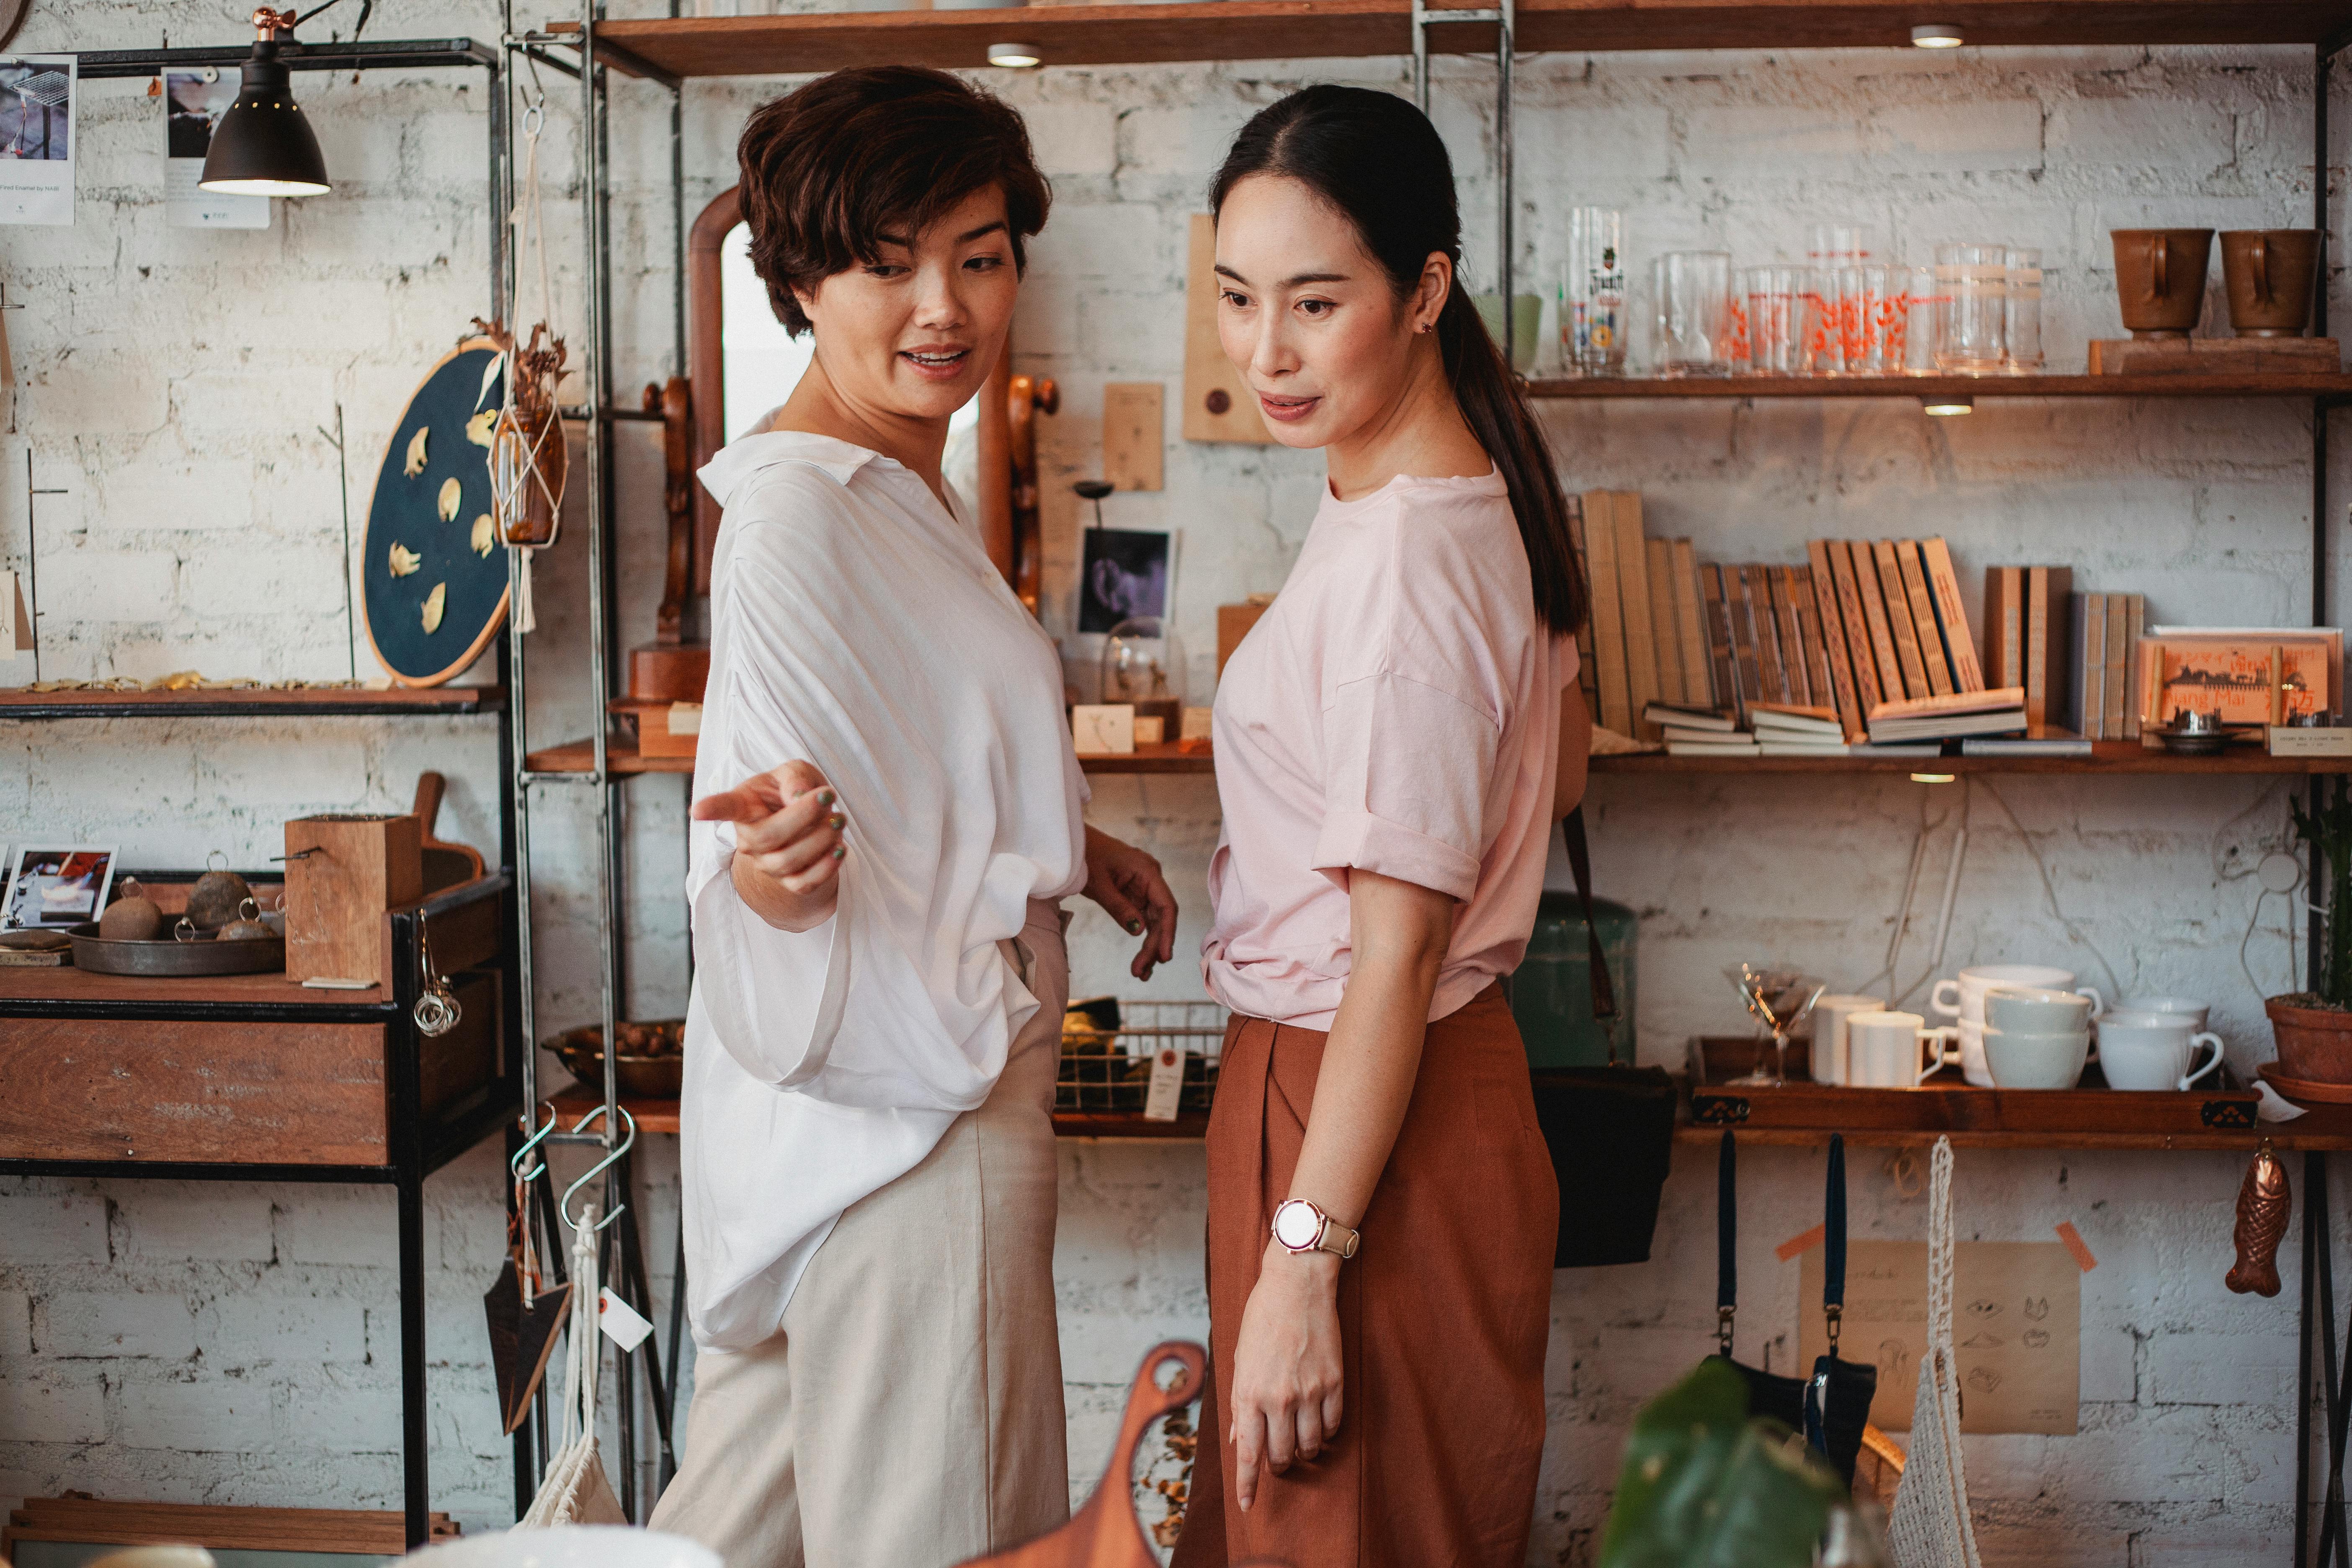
1295	1224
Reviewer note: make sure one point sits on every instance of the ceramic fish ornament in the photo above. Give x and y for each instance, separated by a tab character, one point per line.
404	560
2263	1204
435	601
416	463
452	496
486	535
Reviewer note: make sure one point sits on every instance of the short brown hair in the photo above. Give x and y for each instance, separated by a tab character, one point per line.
828	169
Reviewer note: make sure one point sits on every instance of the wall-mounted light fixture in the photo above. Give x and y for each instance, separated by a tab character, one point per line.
1946	408
263	145
1933	778
1016	57
1935	35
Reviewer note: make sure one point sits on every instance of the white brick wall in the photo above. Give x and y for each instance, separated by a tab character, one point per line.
239	1344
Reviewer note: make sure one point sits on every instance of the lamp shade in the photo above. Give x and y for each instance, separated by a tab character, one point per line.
263	145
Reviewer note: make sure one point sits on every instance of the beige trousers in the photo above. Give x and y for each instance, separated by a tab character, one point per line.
909	1413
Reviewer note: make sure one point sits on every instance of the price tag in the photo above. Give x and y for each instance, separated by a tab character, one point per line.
1167	1085
622	1324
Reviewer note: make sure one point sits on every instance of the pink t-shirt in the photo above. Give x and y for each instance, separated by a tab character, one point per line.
1397	710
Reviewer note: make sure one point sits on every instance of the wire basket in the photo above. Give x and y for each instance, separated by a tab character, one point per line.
1110	1070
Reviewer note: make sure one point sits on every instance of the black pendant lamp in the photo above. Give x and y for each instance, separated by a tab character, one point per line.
263	145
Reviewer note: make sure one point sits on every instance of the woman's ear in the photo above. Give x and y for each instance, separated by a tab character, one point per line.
807	300
1429	294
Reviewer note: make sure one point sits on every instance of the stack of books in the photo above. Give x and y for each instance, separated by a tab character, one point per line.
1788	729
1646	641
1951	717
1699	731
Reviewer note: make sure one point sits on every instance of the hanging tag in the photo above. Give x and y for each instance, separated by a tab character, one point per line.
1167	1085
622	1324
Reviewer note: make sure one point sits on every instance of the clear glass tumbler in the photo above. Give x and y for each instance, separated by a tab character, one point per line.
1693	298
1923	305
1776	318
1854	299
1974	280
1592	293
2023	309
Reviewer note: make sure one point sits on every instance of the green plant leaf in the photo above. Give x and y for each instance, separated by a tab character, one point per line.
1704	1486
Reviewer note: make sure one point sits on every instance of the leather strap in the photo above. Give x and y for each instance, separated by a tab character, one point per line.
1579	861
1833	1241
1727	1240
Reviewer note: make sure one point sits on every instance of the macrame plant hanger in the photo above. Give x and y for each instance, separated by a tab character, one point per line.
529	458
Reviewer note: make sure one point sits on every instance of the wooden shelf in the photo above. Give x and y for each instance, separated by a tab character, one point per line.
308	702
67	989
661	1115
621	759
1682	388
2109	757
1324	29
2333	1134
1161	758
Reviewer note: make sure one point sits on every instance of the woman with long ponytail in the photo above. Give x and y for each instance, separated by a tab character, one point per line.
1394	740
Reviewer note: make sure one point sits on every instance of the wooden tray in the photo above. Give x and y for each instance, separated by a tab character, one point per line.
1946	1104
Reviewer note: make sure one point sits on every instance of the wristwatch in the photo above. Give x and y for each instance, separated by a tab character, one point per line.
1300	1227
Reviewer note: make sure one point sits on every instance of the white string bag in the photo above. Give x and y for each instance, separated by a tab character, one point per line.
1929	1527
575	1490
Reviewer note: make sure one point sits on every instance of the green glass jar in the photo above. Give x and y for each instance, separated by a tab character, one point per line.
1551	994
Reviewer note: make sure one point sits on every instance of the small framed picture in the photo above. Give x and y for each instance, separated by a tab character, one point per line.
55	886
1125	576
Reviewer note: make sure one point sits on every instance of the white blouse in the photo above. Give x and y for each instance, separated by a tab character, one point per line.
857	625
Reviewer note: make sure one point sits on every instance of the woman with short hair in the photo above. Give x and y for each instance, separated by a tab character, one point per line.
1394	740
887	816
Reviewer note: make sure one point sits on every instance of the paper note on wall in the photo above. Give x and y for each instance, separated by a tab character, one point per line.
2017	1323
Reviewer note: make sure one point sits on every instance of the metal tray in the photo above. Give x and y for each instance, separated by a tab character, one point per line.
167	958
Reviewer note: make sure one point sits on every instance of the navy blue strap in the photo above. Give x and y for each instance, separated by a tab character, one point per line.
1727	1227
1834	1226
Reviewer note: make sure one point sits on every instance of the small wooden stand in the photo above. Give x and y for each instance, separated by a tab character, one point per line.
2215	356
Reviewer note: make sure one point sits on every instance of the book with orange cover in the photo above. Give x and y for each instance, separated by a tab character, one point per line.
1634	602
1698	688
1608	616
1719	654
1860	645
1772	674
2049	591
1746	660
1793	657
1944	590
1899	624
1665	619
2004	630
1831	616
1923	615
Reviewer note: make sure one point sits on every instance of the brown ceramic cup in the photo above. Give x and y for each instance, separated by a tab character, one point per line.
2268	273
2160	275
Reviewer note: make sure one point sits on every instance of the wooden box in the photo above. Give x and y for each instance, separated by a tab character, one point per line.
673	674
341	874
2215	356
665	728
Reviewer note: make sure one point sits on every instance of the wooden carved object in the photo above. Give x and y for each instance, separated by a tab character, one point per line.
2263	1205
1027	396
674	401
1106	1534
447	865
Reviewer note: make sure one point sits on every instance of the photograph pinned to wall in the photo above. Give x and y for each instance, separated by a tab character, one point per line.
194	102
1125	575
36	139
57	887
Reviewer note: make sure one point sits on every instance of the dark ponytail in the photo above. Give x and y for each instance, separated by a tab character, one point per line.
1377	159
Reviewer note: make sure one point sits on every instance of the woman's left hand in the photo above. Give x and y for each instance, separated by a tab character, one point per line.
1289	1383
1128	884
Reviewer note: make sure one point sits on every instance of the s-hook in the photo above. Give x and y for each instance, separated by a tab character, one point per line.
611	1158
534	1141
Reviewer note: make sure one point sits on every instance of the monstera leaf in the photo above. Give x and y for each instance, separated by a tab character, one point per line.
1704	1485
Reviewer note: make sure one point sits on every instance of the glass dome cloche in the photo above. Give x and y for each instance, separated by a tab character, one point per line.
1143	663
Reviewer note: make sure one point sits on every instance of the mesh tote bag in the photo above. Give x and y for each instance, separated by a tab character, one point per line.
1929	1527
575	1490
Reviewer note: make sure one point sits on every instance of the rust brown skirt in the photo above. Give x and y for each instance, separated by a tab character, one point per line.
1443	1316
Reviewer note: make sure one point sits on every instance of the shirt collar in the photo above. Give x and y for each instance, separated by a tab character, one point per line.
741	458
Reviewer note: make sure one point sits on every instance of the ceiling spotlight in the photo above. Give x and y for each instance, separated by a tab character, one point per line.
1015	57
263	146
1945	407
1935	35
1933	778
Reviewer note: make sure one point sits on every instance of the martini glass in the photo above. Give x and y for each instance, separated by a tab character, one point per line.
1779	999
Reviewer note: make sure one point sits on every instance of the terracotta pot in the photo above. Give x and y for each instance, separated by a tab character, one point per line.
2314	1044
2160	277
2268	273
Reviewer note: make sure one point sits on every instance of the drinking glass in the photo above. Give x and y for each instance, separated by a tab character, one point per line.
2022	313
1923	303
1843	245
1779	998
1776	318
1592	293
1974	280
1693	290
1854	301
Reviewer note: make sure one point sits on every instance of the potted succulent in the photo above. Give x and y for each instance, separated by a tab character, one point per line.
2314	1028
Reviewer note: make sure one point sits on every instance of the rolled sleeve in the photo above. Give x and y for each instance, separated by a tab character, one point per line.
1406	774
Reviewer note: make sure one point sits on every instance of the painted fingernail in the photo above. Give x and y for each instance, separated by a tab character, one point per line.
1133	927
824	797
839	850
836	820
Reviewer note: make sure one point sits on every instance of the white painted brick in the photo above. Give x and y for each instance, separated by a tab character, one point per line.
1074	138
209	1222
132	1324
2140	130
45	1227
2108	1365
210	1414
1774	143
241	1330
2221	1369
210	493
350	1225
351	1420
53	1408
1971	136
16	1324
107	585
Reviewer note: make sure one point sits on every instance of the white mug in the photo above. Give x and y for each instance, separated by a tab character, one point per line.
1967	1005
2153	1050
1831	1014
2029	1010
2179	1006
1882	1050
2036	1061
